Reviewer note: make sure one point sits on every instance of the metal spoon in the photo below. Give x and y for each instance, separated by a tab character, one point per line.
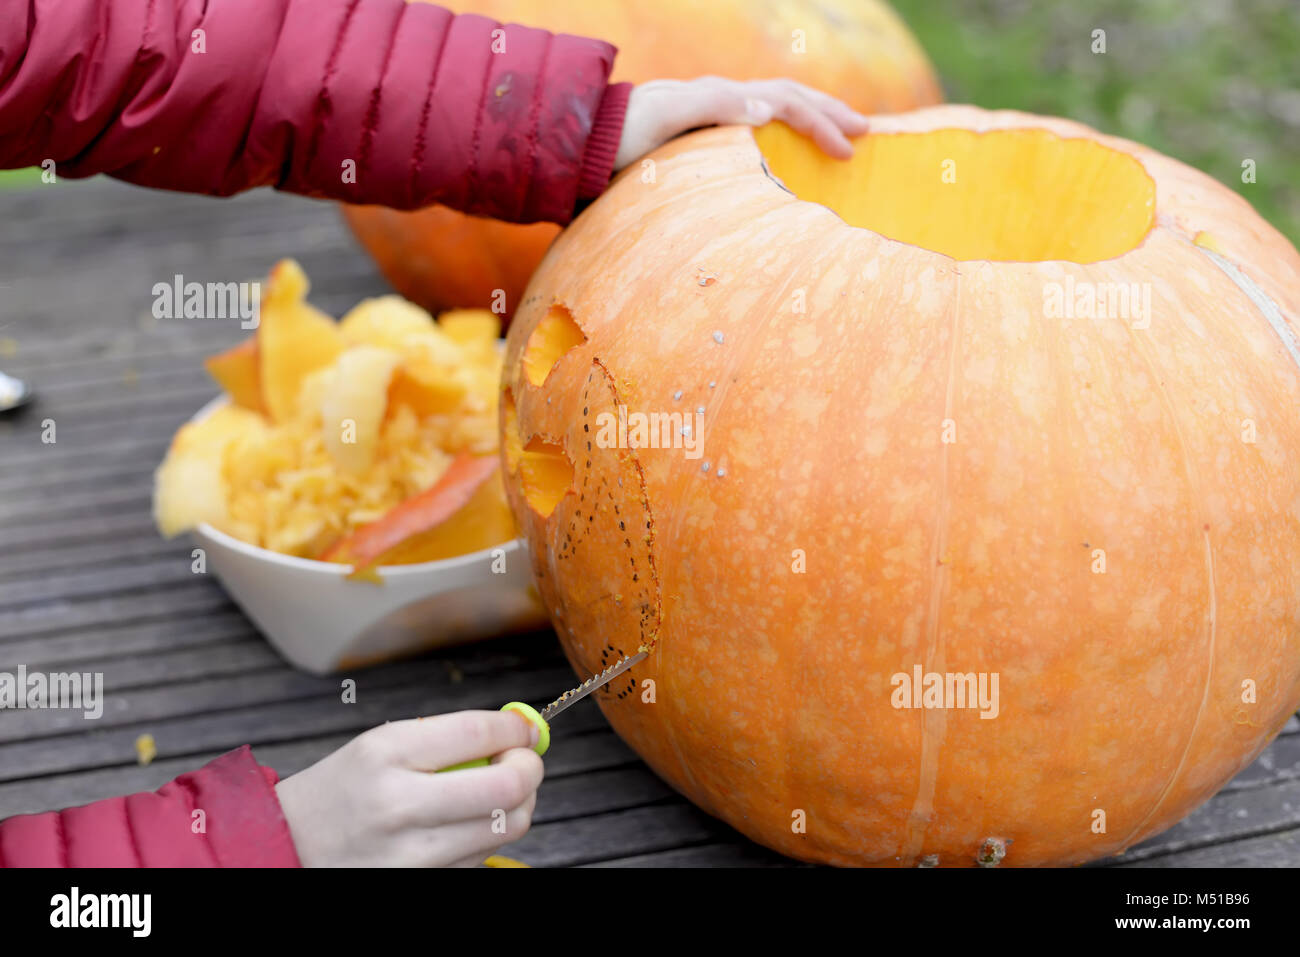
13	392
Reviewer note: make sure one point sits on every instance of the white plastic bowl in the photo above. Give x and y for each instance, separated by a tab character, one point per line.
321	622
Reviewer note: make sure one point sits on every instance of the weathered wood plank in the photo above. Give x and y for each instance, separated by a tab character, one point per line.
15	485
122	450
31	312
66	587
128	405
181	603
71	533
105	209
72	432
741	853
237	250
1226	817
43	561
175	382
597	792
95	357
1280	761
176	668
602	837
108	499
55	652
1266	850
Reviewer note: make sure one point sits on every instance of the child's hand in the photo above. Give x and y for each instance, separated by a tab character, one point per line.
374	802
659	110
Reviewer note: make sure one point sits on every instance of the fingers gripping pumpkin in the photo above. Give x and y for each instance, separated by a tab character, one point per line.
1001	399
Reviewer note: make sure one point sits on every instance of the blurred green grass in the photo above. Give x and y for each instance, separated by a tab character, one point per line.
1209	82
19	177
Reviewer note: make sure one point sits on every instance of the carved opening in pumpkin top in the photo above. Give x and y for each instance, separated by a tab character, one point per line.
1022	195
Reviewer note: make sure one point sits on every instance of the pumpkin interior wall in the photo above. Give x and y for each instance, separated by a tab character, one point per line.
545	472
1007	195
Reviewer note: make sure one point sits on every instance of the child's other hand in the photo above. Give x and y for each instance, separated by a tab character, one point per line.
659	110
374	802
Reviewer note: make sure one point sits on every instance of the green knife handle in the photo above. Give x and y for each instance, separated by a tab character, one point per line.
528	713
476	763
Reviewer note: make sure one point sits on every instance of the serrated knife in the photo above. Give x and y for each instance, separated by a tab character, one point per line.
567	700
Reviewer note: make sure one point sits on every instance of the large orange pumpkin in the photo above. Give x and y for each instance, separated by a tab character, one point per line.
922	452
856	49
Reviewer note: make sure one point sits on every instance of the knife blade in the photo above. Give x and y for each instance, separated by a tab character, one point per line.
574	695
567	700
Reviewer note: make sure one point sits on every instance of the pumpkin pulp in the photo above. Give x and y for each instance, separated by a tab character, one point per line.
1017	195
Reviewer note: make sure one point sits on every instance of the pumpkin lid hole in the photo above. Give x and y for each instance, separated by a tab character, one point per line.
1015	195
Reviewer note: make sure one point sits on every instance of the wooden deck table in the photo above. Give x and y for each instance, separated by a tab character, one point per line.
86	583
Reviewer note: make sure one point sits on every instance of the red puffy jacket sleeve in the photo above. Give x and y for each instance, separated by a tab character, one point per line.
241	825
366	101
